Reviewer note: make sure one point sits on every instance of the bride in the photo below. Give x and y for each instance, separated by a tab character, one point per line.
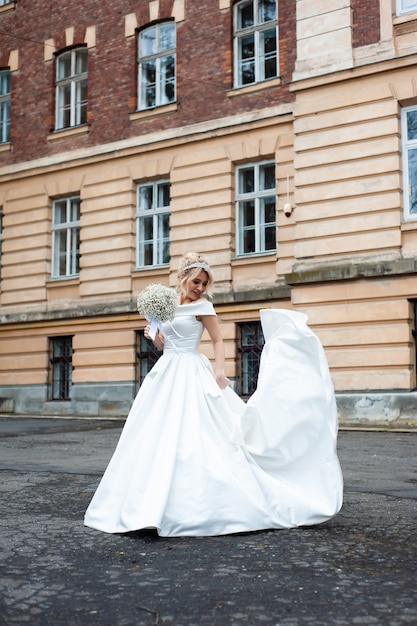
193	459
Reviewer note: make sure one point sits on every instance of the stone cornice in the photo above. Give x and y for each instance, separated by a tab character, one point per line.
80	313
152	141
358	71
352	271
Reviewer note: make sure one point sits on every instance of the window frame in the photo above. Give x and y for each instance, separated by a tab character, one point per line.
245	387
414	340
5	106
76	81
60	369
258	196
72	229
157	241
400	10
257	30
159	58
407	146
146	355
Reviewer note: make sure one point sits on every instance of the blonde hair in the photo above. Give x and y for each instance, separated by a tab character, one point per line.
190	266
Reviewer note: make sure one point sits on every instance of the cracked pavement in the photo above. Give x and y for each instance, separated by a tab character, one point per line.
358	568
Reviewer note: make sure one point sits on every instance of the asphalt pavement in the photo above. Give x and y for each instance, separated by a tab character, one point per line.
358	568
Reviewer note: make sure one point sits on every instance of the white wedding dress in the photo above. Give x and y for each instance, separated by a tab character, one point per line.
194	460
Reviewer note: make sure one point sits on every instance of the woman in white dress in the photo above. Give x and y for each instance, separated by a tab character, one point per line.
194	460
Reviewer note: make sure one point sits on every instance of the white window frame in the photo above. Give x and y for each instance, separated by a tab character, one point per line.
5	105
406	6
155	213
70	230
257	30
71	85
162	58
409	189
258	196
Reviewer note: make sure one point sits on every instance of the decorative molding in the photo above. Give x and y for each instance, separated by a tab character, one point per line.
6	147
69	36
49	49
351	271
69	132
162	110
8	7
131	24
405	28
14	60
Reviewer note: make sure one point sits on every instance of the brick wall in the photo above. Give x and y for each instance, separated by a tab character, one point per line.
204	70
366	22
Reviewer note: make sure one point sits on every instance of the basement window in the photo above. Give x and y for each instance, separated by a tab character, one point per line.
60	367
146	355
250	341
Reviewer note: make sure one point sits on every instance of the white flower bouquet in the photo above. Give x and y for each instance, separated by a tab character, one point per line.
158	304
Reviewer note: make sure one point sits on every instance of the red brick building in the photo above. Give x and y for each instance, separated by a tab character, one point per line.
224	113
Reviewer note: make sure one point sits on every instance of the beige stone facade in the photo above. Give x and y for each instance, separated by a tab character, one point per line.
346	255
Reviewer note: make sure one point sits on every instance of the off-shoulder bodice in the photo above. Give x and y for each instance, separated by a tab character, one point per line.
184	333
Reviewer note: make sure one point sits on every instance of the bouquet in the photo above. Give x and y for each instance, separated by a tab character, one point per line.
158	304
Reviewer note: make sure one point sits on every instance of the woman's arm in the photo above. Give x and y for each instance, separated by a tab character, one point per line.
158	341
211	324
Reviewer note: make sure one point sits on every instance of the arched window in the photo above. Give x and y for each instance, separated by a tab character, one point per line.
71	88
256	41
156	61
5	103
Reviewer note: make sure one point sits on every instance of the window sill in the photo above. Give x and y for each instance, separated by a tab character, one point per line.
267	84
64	133
6	147
406	23
258	257
62	280
405	17
159	270
162	110
8	7
410	224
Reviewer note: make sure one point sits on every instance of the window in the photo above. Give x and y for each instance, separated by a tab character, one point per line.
406	6
250	341
5	103
60	367
71	88
409	138
146	356
3	2
152	221
156	61
256	41
255	201
66	237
